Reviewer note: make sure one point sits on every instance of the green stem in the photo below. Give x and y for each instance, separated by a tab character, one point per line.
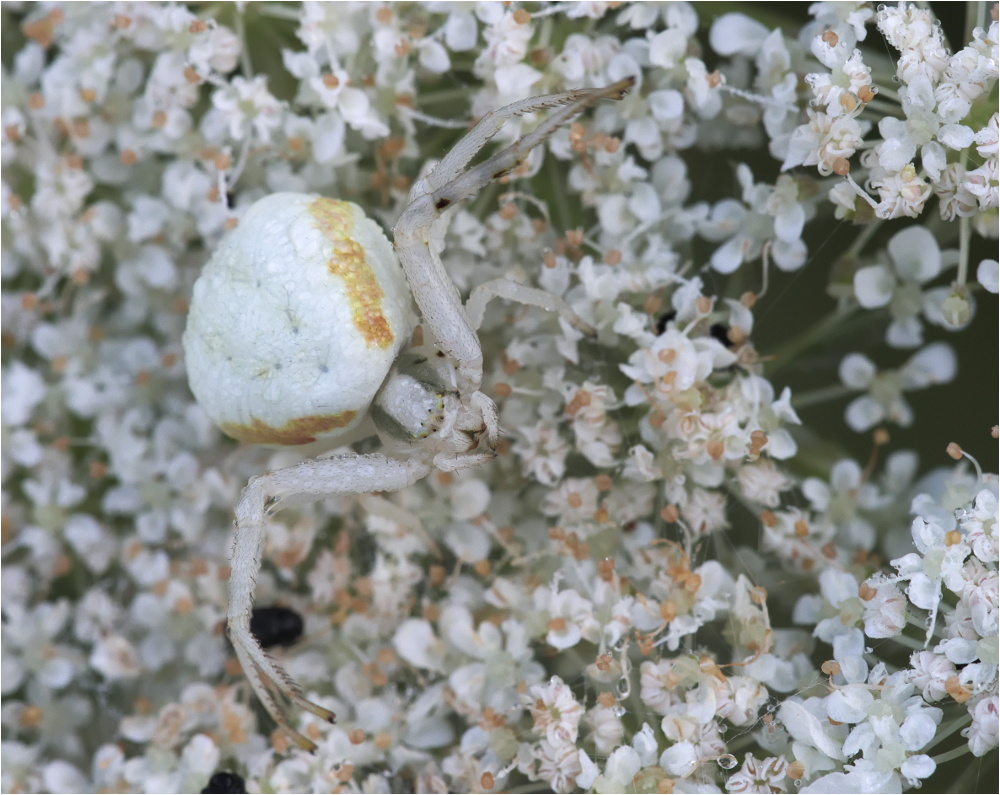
279	11
892	94
817	333
246	65
910	643
806	400
964	233
556	198
942	734
866	233
954	753
443	95
974	18
885	108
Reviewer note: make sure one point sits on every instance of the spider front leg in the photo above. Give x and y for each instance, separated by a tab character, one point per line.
440	305
264	496
475	308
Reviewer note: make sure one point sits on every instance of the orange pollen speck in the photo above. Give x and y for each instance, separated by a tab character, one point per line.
848	102
334	220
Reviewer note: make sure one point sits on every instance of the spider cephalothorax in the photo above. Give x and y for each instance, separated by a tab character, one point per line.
298	331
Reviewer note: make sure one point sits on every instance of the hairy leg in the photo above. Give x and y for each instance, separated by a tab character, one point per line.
532	296
264	496
440	306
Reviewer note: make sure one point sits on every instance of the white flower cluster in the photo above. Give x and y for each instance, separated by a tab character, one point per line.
948	116
873	714
665	582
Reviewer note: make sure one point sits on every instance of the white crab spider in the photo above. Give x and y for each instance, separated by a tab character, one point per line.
294	334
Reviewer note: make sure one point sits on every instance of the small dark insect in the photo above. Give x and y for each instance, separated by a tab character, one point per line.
720	331
276	626
662	320
225	782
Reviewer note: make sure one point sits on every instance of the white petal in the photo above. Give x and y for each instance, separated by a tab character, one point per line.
737	33
853	669
728	257
845	475
781	445
960	651
849	704
935	364
60	776
328	138
857	370
645	745
915	254
917	730
434	57
934	159
924	592
863	413
918	766
895	154
666	105
956	136
588	772
862	781
788	223
460	31
837	586
905	333
679	759
416	643
788	255
806	728
988	274
623	764
817	492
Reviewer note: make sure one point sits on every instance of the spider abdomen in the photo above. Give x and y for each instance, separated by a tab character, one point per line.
296	320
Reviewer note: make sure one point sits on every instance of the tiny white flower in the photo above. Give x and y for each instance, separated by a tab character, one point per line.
988	275
759	775
115	658
982	733
556	712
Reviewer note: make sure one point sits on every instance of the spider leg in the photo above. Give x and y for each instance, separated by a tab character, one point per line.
440	305
469	182
452	164
316	479
532	296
